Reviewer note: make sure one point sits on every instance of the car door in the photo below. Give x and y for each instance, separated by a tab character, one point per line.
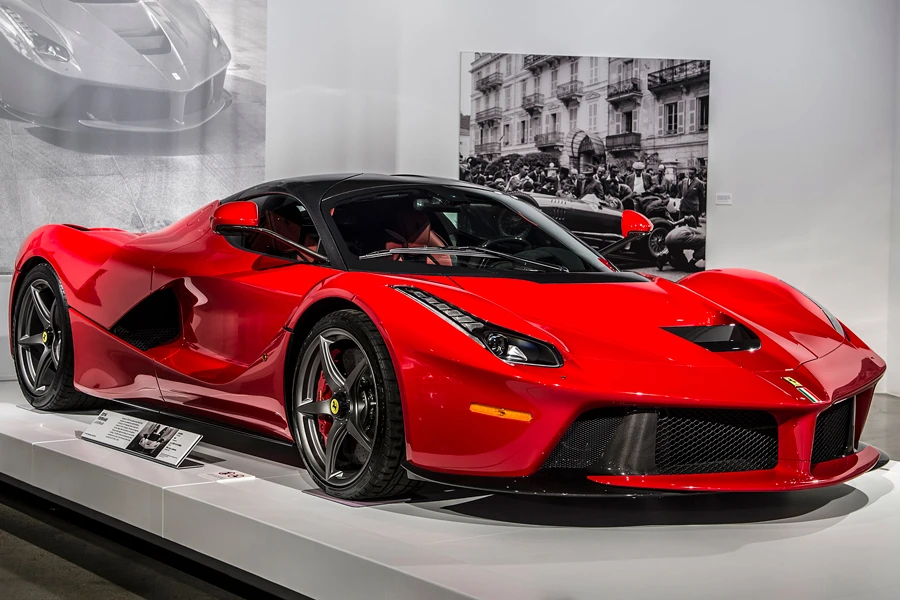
236	295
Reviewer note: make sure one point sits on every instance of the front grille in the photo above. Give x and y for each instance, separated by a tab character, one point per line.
117	105
833	436
585	441
715	441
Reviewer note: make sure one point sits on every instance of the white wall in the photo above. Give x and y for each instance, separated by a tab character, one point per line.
802	112
893	376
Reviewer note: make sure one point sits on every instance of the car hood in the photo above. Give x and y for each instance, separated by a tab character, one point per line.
169	42
619	321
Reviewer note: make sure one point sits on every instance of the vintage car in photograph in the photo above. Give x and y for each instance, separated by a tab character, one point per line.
120	66
402	328
599	224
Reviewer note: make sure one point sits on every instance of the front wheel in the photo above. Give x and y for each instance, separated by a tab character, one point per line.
347	418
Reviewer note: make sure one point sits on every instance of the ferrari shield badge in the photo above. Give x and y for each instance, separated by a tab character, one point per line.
808	394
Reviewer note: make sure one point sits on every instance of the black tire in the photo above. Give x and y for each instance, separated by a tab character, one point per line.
55	391
372	403
650	248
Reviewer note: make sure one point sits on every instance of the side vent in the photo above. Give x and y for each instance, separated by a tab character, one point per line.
155	321
719	338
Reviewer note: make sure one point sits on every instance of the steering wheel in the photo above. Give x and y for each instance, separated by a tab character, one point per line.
505	239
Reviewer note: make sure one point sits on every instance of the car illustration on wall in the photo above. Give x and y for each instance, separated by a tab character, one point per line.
123	65
402	328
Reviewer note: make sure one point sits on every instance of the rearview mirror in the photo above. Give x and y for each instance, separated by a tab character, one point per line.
634	223
235	215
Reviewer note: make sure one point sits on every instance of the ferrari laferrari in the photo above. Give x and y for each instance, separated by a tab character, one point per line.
401	329
118	65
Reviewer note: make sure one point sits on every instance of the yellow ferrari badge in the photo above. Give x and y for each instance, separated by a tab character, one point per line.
335	406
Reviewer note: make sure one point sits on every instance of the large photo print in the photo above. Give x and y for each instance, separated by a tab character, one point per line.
586	137
127	114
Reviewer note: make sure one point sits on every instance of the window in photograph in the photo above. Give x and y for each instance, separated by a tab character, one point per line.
671	118
524	88
627	69
628	122
508	97
703	113
573	118
573	69
592	116
522	132
554	78
506	134
537	84
508	64
595	69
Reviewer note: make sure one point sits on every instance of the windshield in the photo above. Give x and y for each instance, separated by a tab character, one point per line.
442	229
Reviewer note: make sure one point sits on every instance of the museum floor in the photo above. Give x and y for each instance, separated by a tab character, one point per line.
49	552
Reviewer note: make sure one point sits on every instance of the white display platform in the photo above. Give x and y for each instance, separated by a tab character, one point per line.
841	542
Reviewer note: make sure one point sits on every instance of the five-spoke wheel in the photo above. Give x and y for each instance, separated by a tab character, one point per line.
337	406
39	336
43	337
346	414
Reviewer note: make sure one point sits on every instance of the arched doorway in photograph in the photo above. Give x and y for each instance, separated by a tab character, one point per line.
586	151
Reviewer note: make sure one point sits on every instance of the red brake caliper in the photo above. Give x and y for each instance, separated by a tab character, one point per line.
323	394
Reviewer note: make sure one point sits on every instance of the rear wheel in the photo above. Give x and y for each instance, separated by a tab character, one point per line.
655	243
42	332
347	419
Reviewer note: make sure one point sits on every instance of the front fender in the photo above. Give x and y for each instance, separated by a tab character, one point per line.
761	299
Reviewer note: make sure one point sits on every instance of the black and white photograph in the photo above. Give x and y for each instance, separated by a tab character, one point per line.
152	439
127	114
586	137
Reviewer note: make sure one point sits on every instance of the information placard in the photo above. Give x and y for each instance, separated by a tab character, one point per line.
153	441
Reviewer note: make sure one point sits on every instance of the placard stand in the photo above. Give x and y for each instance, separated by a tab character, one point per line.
153	441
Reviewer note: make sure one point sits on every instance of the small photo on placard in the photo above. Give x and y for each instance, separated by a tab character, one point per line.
152	439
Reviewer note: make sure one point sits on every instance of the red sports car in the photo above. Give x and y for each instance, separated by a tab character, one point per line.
401	328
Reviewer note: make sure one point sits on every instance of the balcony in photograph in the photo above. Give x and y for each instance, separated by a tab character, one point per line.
487	148
627	89
694	71
493	113
570	91
623	142
533	103
553	139
489	82
536	60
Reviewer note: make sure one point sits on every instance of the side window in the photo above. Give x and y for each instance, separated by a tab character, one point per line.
288	218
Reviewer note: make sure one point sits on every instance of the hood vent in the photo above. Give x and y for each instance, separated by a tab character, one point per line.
719	338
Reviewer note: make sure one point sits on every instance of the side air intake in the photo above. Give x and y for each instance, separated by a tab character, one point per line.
155	321
719	338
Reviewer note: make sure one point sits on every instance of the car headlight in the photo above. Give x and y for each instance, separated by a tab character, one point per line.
507	345
831	318
27	41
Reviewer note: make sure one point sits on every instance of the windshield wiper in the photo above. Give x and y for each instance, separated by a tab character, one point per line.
471	251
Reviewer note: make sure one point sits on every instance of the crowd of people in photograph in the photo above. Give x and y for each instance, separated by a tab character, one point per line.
652	191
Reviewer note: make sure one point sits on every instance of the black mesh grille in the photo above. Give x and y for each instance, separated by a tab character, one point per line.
715	441
832	437
585	441
145	339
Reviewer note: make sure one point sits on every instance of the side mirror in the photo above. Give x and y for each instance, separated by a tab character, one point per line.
635	224
235	214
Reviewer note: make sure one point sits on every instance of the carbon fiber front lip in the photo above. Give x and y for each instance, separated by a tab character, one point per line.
539	484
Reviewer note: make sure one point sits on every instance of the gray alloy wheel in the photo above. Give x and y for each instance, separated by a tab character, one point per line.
45	361
336	408
39	337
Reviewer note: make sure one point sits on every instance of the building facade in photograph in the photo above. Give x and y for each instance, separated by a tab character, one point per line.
590	110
